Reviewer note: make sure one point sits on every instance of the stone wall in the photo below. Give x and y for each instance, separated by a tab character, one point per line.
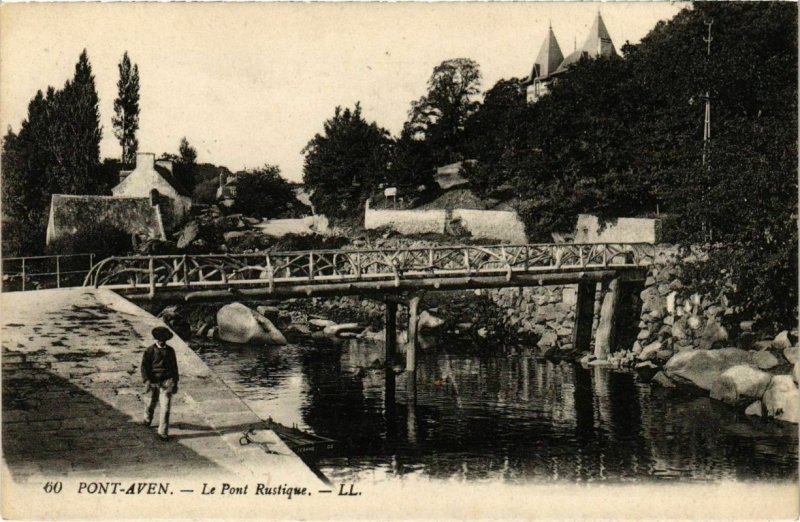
497	225
500	225
673	320
621	230
406	221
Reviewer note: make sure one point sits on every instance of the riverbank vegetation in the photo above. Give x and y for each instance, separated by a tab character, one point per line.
623	136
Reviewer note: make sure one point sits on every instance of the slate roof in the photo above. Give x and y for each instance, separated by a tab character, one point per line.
170	178
597	44
551	61
548	59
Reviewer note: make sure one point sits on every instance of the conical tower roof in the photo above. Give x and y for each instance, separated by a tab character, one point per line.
550	56
599	43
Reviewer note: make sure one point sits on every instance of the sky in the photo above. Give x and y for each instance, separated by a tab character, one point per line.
250	84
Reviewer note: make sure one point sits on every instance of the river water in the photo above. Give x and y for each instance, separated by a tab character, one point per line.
492	414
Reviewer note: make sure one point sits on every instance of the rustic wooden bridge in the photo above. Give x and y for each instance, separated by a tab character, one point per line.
401	274
339	272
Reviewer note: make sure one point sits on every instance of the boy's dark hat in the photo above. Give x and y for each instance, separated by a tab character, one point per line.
161	333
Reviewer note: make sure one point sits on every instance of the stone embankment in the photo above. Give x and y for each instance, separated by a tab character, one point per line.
73	401
703	343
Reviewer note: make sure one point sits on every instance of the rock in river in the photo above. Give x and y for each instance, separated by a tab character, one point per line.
340	329
782	399
739	384
239	324
701	368
428	321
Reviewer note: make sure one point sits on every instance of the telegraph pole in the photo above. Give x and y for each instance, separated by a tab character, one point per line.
707	125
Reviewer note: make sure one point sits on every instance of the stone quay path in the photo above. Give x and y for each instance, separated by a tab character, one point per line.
73	400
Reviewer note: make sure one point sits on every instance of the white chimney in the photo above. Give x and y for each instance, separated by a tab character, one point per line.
145	161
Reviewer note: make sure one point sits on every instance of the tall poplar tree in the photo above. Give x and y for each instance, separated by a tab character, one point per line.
57	151
126	109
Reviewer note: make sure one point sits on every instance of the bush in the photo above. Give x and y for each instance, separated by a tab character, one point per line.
263	193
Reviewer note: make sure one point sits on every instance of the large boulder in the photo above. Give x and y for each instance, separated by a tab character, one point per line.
701	368
792	354
740	383
765	360
237	323
428	321
187	234
782	399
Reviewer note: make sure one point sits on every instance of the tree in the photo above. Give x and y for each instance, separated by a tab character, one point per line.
345	163
185	166
623	137
76	143
263	193
57	150
126	109
187	152
439	117
411	165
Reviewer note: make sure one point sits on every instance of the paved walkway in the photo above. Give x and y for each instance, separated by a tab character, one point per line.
72	398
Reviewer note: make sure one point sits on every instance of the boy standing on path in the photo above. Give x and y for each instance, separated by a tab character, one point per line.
160	376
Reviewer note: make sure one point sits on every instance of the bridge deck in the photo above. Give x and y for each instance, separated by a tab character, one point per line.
325	272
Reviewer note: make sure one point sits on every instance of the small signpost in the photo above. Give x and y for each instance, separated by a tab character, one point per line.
390	192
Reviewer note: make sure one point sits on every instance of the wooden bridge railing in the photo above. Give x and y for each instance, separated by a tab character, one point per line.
191	272
41	272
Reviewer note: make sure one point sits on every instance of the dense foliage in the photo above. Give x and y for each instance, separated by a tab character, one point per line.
126	109
623	137
184	165
439	117
263	193
56	151
346	163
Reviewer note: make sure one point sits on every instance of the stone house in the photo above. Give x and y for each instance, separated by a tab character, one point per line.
155	181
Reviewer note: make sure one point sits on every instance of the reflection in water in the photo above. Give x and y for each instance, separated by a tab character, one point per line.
499	415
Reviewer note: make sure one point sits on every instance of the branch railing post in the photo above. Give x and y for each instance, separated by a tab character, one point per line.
311	266
152	275
270	274
185	272
58	271
23	274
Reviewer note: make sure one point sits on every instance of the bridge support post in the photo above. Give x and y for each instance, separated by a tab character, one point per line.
391	334
389	356
606	326
413	320
584	316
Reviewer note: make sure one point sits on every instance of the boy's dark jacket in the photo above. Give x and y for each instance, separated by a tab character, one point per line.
159	364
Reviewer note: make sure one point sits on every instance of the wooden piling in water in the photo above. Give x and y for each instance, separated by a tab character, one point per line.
584	316
413	320
391	334
606	326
